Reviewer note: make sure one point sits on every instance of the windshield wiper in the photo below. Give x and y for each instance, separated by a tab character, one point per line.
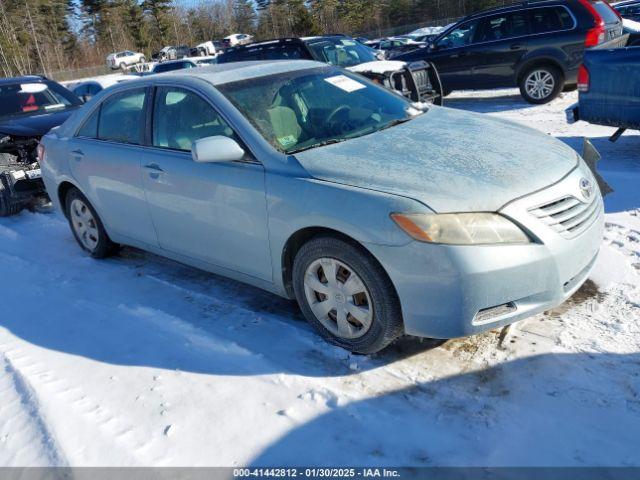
393	123
319	144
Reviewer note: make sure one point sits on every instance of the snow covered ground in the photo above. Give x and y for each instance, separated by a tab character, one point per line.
141	361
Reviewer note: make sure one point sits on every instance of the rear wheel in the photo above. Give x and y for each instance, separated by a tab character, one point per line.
86	226
346	296
541	84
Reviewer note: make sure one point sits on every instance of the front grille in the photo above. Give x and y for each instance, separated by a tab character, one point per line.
422	79
568	216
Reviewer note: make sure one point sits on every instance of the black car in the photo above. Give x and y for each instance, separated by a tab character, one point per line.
418	81
537	46
628	9
29	108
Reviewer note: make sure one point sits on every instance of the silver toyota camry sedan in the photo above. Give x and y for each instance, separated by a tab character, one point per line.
379	216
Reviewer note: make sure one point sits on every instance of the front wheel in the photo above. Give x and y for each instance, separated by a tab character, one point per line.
346	296
86	226
541	84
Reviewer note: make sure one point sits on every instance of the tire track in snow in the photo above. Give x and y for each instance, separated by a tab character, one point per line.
24	425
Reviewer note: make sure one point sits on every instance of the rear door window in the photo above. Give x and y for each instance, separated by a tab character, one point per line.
550	19
121	117
90	127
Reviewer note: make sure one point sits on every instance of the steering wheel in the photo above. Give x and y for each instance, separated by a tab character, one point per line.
332	119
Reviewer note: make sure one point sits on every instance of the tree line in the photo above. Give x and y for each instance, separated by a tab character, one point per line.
45	36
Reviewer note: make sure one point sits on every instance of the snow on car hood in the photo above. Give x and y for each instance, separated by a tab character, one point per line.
450	160
381	67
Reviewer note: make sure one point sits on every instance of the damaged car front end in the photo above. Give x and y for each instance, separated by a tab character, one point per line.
29	108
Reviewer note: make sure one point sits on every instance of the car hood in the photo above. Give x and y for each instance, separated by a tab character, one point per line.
450	160
34	125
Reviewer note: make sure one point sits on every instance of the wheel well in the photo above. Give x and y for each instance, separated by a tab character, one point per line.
299	238
63	190
547	62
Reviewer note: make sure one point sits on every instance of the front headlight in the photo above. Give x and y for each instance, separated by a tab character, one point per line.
460	228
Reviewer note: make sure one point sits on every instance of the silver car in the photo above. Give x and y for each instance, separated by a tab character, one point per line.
379	216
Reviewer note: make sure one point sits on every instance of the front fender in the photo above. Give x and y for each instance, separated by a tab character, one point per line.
295	204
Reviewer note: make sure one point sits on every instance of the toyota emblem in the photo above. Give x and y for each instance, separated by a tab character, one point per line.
586	188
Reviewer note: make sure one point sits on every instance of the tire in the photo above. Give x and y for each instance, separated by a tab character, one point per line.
550	83
94	240
379	317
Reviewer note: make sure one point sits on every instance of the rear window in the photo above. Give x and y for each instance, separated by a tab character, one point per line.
266	52
550	19
607	14
169	67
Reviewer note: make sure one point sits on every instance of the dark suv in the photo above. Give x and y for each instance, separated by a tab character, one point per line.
537	46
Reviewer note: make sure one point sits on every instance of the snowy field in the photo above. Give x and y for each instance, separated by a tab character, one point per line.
141	361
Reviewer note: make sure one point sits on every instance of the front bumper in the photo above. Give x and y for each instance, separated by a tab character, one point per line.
450	291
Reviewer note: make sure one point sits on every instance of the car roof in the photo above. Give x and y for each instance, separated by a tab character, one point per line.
26	78
512	7
238	71
234	71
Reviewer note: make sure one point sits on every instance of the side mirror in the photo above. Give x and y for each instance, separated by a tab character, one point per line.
216	149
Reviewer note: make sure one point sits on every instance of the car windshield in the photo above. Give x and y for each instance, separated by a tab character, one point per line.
24	98
309	108
341	52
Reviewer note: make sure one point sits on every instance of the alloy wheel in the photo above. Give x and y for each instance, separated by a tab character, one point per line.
539	84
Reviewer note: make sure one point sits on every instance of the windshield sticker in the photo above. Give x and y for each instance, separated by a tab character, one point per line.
287	141
345	83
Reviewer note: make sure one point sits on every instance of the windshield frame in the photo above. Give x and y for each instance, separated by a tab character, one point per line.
328	71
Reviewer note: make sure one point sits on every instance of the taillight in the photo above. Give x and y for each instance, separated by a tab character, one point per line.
597	34
583	79
40	152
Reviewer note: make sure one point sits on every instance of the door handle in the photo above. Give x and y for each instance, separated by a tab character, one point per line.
77	155
516	46
154	166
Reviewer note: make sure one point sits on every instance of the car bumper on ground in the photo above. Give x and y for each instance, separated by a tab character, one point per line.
453	291
573	113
